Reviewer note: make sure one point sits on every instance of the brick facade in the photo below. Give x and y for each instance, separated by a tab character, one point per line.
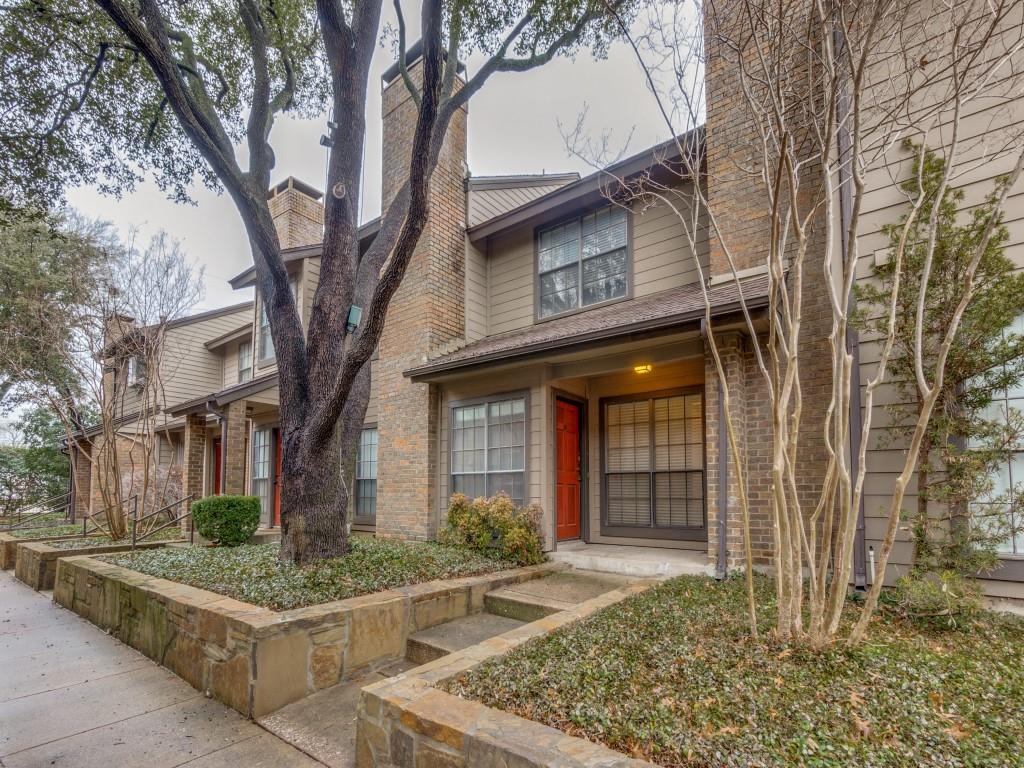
82	468
739	202
193	474
426	312
235	447
297	213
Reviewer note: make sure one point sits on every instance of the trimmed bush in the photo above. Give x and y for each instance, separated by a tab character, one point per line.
227	520
496	527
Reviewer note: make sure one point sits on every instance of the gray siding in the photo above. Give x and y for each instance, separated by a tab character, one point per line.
485	204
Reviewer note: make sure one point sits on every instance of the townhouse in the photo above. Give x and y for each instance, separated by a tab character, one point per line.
551	344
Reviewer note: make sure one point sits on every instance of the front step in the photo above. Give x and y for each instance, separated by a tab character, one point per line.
533	600
433	643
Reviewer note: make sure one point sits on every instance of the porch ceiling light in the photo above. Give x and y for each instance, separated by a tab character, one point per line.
643	368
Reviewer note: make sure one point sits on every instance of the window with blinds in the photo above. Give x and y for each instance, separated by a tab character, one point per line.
261	458
488	451
654	462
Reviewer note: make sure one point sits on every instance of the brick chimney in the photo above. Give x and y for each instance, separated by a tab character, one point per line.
298	213
426	313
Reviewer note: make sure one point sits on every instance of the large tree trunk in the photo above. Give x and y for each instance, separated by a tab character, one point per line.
316	482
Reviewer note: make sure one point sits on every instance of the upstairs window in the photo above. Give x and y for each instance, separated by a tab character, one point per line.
245	361
136	370
582	262
266	341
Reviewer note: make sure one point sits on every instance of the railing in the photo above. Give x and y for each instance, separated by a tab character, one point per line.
44	508
133	501
173	520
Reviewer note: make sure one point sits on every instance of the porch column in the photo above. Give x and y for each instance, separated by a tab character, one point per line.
751	418
193	460
234	448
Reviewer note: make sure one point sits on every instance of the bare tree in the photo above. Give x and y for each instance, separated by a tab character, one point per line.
832	92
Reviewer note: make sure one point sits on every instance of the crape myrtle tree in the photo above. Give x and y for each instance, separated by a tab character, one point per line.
828	94
176	86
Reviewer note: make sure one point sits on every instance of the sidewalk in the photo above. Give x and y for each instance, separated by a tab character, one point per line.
71	695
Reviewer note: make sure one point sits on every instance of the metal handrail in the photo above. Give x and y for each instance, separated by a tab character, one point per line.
136	520
49	507
134	499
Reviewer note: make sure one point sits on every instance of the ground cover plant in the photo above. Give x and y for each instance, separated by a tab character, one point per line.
673	676
255	573
102	540
68	529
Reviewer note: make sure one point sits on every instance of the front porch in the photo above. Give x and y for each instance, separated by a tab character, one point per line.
646	562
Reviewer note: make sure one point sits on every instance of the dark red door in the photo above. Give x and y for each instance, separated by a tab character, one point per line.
216	465
277	477
567	470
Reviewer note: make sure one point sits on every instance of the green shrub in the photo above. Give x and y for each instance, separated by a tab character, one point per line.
941	599
495	526
227	520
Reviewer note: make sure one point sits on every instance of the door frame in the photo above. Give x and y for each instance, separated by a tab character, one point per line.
581	402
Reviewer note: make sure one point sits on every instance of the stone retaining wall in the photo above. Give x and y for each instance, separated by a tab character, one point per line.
9	547
254	659
36	561
408	722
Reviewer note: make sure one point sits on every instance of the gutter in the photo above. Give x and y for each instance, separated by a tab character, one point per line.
722	557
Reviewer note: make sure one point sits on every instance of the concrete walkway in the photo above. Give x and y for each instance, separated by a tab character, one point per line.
71	695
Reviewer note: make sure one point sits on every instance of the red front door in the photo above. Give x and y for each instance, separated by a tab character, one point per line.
216	465
567	470
277	477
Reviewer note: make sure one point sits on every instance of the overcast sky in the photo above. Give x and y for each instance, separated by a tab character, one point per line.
513	128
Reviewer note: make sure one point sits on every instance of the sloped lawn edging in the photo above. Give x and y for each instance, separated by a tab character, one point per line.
254	659
407	721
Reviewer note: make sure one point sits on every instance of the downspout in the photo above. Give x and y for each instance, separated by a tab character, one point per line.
852	336
721	563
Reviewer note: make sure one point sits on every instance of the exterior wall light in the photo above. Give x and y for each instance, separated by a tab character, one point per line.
354	315
643	368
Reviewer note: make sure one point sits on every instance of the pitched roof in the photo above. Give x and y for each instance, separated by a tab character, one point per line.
225	396
660	311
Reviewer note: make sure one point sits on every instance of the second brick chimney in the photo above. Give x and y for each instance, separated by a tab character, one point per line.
298	213
427	312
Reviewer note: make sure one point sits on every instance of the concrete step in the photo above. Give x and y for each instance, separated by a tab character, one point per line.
638	562
324	725
455	635
536	599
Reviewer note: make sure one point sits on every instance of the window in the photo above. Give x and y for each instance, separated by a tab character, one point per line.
245	361
366	476
136	370
654	462
266	341
261	468
1008	479
582	262
489	449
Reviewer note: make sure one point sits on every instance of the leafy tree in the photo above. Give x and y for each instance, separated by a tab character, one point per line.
49	273
33	467
98	91
968	439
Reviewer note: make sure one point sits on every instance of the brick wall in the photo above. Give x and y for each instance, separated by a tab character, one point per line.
427	311
193	471
235	448
739	202
82	467
297	212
